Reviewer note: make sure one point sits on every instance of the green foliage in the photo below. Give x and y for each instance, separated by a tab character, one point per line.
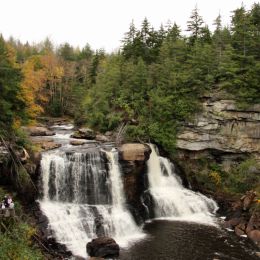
239	179
10	77
16	236
243	177
16	243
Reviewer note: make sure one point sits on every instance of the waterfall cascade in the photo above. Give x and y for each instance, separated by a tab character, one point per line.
83	195
82	199
171	199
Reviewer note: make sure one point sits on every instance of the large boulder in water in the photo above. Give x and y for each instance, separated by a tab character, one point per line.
84	133
132	159
254	235
134	152
103	247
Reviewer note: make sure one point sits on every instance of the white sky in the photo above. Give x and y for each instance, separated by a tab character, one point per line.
101	23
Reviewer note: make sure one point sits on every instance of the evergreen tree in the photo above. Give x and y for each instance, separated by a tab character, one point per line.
12	109
195	25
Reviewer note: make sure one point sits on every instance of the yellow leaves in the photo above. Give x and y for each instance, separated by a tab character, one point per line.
53	70
215	177
11	55
32	86
16	123
40	75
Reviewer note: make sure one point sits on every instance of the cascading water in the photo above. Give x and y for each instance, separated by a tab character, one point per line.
171	199
82	199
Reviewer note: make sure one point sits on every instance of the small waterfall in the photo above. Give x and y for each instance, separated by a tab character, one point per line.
171	199
83	200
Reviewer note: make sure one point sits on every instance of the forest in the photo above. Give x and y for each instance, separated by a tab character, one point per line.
153	83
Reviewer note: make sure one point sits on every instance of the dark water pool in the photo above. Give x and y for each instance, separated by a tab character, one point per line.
171	240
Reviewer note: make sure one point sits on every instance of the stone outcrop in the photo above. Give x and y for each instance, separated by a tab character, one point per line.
45	144
84	133
77	142
134	152
222	126
103	247
102	138
132	158
38	131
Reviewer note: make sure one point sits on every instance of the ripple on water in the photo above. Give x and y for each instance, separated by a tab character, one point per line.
176	240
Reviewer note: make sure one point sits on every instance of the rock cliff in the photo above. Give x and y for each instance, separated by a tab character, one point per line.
224	127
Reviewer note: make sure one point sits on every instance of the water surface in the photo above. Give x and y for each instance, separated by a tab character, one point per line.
176	240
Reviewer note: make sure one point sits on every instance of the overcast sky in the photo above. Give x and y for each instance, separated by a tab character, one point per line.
101	23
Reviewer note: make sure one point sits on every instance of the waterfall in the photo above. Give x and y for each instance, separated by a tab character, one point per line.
171	199
82	199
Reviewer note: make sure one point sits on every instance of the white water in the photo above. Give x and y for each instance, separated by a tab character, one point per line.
77	190
171	199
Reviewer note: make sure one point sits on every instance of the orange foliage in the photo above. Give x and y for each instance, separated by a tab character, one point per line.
32	86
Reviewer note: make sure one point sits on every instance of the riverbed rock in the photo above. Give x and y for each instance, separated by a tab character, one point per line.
254	222
103	247
248	199
134	152
77	142
102	138
38	131
84	133
254	235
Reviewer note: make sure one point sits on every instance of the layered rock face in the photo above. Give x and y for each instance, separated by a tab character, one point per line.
224	127
221	133
132	158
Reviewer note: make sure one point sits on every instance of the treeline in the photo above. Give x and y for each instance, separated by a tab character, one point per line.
153	83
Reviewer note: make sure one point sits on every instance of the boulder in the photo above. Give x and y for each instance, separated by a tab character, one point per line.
254	222
248	199
102	138
77	142
84	133
254	235
233	222
134	152
103	247
49	145
38	131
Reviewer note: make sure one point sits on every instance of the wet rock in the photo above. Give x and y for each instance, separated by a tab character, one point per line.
239	231
248	199
84	133
233	222
254	235
254	222
38	131
77	142
50	145
103	247
102	138
134	152
100	231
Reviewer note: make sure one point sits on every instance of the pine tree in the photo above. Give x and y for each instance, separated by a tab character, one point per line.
195	25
